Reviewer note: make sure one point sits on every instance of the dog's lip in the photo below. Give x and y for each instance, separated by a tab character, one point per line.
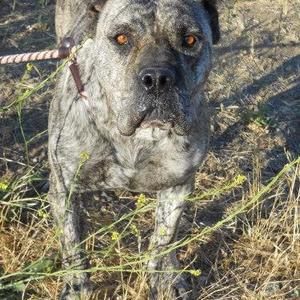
150	119
130	119
164	125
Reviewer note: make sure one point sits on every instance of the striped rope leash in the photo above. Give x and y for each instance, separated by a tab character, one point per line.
67	49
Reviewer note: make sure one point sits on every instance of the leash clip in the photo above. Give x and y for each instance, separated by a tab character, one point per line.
65	51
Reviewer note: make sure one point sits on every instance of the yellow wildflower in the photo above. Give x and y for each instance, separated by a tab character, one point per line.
195	273
162	231
240	179
29	67
115	236
3	186
84	156
134	230
142	201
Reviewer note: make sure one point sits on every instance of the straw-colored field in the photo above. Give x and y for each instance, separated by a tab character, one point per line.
241	231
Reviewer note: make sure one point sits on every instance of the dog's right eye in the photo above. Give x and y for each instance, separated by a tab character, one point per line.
189	41
121	39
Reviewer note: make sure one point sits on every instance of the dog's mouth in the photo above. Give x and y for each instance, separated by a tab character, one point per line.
156	119
157	124
164	117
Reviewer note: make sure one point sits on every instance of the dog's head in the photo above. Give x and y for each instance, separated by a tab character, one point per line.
152	58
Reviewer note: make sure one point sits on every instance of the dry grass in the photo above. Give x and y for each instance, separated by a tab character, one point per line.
264	262
244	237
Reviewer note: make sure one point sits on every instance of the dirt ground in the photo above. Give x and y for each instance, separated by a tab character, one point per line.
254	94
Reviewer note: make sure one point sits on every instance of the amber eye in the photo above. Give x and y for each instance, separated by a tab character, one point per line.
189	40
121	39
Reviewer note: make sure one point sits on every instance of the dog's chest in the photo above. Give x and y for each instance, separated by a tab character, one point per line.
145	165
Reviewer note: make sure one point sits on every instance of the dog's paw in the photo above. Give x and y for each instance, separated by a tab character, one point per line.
76	291
168	286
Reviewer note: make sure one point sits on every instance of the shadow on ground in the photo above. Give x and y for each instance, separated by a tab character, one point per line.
281	109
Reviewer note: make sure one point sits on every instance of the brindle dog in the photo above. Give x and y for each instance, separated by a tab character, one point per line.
145	123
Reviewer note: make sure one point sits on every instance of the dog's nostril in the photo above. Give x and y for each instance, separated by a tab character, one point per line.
163	81
157	79
148	81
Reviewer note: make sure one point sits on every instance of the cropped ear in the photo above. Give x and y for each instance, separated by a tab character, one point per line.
77	18
211	7
97	6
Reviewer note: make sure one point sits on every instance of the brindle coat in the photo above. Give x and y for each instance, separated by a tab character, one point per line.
145	124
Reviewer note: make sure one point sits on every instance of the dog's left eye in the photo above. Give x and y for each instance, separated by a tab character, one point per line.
189	41
121	39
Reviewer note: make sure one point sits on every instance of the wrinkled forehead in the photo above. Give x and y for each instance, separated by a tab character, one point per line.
153	14
139	13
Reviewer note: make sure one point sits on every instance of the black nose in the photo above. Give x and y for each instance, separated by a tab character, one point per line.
157	79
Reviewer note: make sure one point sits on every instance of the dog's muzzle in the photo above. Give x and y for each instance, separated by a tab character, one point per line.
160	106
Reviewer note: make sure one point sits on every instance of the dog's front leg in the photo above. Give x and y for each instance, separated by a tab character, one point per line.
66	214
171	203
